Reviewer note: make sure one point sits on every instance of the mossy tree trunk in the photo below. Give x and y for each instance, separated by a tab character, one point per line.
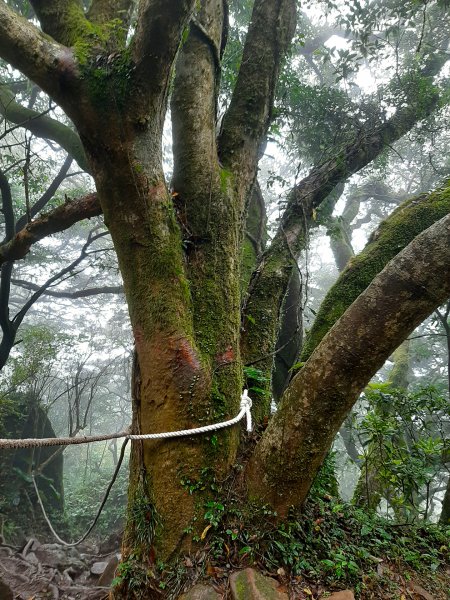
180	252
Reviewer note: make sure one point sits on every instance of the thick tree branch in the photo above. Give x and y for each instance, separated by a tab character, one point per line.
42	126
49	64
59	219
102	11
247	119
159	29
398	230
195	93
62	19
316	402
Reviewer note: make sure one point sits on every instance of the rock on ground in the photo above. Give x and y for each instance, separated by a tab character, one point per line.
251	585
201	592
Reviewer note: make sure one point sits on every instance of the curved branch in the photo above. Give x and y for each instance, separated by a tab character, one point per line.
394	233
316	402
42	126
10	327
44	61
59	219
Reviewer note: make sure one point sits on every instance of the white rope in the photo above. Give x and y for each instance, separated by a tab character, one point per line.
246	404
245	411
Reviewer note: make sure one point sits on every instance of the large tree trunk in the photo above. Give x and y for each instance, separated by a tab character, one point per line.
180	253
319	397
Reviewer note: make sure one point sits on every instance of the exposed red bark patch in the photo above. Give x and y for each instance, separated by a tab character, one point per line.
186	357
227	357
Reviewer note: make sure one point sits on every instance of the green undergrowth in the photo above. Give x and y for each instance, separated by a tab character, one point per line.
329	541
330	544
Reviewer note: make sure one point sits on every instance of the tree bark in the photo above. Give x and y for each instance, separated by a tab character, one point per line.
316	402
398	230
271	276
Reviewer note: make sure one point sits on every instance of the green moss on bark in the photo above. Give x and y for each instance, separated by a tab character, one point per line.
396	232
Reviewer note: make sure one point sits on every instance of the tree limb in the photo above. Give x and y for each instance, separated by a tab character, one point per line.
7	207
18	318
159	29
399	229
6	270
42	126
49	64
195	92
247	119
59	219
316	402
